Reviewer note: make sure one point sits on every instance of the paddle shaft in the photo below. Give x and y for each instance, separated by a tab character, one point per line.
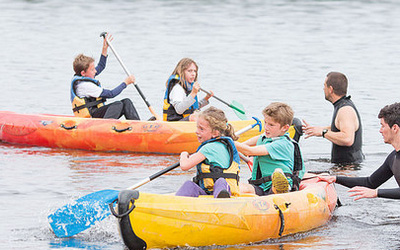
154	176
224	102
128	74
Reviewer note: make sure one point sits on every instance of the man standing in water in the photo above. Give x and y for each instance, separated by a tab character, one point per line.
366	187
345	131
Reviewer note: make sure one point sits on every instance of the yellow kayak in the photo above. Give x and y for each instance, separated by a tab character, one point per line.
161	221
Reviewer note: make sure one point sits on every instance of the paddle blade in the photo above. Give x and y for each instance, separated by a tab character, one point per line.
238	109
74	218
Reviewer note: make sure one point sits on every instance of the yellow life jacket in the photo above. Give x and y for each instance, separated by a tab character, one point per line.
169	112
82	106
207	174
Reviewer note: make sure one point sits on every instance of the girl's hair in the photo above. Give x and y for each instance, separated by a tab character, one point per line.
82	62
218	121
180	68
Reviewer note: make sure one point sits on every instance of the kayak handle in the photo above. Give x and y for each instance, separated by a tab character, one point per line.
282	218
68	128
121	130
111	206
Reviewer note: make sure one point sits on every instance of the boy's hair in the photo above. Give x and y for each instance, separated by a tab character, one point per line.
391	114
218	121
82	62
338	81
280	112
180	68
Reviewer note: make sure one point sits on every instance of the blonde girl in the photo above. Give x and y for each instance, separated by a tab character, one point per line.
180	99
216	159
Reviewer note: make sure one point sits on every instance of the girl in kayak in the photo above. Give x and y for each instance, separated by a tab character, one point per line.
216	159
180	99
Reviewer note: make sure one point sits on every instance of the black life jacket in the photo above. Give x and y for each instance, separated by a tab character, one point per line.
344	154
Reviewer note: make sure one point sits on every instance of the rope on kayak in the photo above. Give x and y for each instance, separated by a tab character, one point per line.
111	206
282	218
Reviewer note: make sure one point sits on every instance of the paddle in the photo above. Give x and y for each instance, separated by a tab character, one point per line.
128	74
236	106
73	218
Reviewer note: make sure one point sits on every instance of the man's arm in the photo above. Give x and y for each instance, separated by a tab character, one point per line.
347	122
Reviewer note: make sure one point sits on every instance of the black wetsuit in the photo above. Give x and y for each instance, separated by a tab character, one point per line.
345	154
391	167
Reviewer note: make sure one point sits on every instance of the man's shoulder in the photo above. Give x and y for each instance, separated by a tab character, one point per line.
347	111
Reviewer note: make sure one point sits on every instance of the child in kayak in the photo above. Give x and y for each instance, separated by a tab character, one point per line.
180	99
87	95
277	162
217	160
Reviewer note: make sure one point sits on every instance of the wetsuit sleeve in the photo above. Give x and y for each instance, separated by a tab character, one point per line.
393	193
106	93
101	65
380	176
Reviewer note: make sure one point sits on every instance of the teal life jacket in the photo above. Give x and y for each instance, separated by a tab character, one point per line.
297	168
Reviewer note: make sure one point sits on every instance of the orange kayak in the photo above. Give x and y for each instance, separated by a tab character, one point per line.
71	132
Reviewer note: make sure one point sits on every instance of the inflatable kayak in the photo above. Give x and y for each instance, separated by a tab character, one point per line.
104	134
167	221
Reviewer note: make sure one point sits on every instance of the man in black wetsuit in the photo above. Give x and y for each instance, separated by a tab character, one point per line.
345	131
367	187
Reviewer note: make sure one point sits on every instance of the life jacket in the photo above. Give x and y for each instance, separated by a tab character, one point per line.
208	174
297	167
169	112
345	154
82	106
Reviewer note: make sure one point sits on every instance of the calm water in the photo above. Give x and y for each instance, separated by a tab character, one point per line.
254	52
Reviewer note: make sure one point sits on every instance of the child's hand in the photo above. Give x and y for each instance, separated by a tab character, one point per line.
105	44
130	79
195	89
208	96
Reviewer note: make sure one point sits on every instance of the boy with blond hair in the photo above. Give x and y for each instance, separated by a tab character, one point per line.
278	164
